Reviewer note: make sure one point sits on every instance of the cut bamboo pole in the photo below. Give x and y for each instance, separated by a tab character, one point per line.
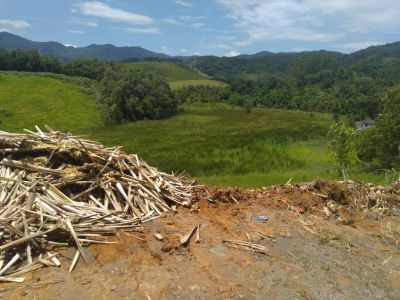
74	261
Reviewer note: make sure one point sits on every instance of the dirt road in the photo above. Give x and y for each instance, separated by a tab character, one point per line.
311	254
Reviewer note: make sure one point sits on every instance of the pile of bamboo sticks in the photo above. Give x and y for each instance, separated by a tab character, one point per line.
57	189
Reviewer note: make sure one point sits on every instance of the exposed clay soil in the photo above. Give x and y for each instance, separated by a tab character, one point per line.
346	255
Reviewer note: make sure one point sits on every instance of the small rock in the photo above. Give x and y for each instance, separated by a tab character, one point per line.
300	210
260	218
158	236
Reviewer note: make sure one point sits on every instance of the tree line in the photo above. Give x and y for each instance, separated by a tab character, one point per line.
31	61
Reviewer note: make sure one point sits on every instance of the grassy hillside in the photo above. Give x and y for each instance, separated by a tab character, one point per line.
218	144
177	76
26	100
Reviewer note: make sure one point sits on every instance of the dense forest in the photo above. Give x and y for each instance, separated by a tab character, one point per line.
324	81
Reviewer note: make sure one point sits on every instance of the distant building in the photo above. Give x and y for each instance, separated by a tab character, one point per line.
364	124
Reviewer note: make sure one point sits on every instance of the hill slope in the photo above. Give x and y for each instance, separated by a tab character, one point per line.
257	65
264	64
27	100
381	51
175	74
106	52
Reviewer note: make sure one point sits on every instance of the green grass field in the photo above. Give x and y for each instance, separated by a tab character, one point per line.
216	143
177	76
33	99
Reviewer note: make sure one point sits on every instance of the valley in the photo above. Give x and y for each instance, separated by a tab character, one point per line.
219	144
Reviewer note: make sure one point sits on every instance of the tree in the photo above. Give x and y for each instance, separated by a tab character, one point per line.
379	147
130	95
236	99
248	105
342	143
4	59
389	125
90	68
49	64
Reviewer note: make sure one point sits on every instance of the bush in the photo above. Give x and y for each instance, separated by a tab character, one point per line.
342	144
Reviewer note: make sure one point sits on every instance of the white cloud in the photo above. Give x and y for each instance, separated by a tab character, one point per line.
103	10
17	24
76	31
309	20
243	42
183	3
171	21
143	30
232	53
217	46
224	37
164	49
83	22
197	25
71	45
197	53
183	50
186	21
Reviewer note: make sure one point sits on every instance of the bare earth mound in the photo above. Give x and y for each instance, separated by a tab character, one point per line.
321	240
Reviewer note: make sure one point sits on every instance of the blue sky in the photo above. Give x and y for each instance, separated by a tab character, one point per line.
218	27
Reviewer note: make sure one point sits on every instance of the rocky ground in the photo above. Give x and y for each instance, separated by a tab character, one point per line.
325	240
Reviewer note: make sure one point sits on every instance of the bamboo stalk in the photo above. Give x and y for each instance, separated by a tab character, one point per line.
25	239
74	261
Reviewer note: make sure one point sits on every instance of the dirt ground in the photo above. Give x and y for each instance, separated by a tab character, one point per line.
312	254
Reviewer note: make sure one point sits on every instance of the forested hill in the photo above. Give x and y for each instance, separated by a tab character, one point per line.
106	52
263	64
267	64
344	84
388	50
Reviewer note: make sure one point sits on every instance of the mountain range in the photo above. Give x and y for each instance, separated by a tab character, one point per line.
377	59
106	52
